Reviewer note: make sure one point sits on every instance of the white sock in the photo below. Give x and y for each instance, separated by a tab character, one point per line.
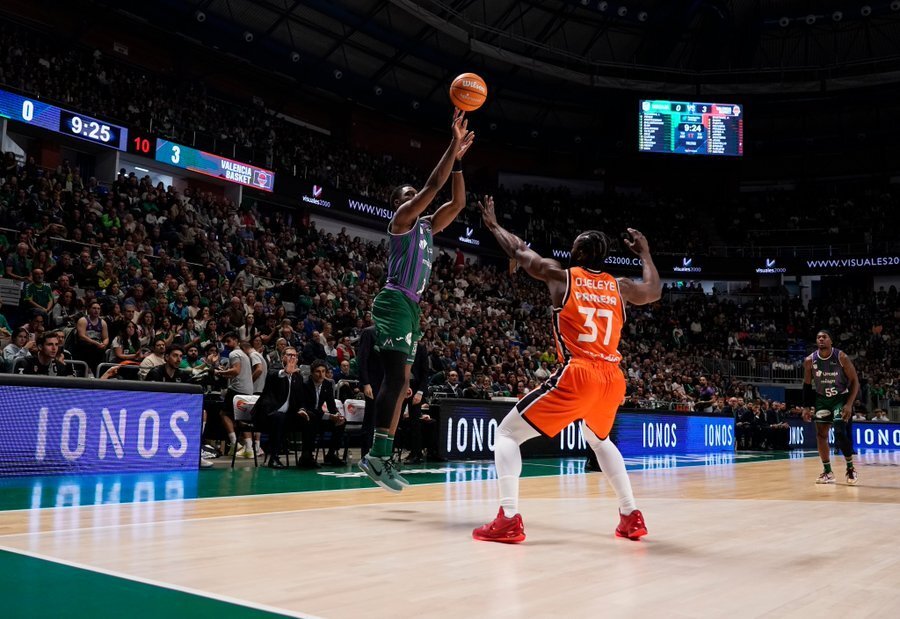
256	445
232	438
248	444
513	431
613	465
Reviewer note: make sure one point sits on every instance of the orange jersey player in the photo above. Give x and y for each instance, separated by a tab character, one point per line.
588	314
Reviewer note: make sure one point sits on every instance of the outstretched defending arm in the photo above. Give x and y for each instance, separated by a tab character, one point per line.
649	289
410	210
537	267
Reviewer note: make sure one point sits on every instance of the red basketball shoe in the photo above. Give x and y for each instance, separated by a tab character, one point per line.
502	529
632	526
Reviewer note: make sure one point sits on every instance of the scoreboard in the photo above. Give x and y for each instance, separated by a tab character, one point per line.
32	111
691	128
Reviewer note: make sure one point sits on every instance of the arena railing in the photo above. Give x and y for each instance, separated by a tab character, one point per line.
760	371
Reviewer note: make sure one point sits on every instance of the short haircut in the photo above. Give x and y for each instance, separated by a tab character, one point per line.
231	335
42	338
174	348
397	193
318	363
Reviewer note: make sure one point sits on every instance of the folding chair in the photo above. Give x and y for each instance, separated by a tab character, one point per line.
354	413
243	421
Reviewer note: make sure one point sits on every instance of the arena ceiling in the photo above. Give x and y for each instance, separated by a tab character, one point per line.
417	44
547	61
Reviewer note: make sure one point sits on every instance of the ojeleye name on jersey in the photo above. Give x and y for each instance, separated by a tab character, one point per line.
597	284
596	298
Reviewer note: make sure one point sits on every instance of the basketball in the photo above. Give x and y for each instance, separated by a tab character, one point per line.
468	92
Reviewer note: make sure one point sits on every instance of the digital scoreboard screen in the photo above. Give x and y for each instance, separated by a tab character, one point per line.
690	128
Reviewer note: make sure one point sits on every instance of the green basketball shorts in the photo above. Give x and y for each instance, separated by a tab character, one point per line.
829	409
396	320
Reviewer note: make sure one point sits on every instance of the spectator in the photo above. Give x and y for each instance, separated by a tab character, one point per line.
240	382
37	295
258	365
155	358
281	398
171	372
18	265
450	388
192	359
706	395
126	346
318	413
64	313
480	389
92	338
46	362
19	348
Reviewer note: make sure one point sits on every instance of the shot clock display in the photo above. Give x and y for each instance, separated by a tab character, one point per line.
691	128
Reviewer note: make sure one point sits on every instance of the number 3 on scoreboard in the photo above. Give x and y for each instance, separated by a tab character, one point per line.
589	313
176	154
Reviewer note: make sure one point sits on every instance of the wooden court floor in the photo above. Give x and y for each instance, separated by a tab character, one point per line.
755	539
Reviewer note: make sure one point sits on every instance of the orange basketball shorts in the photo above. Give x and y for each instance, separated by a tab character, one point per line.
588	390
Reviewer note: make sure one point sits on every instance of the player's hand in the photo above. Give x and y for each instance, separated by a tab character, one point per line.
367	391
464	145
417	398
339	420
638	242
847	412
460	126
488	216
303	414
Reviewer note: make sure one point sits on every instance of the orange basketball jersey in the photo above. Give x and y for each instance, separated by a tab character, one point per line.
589	323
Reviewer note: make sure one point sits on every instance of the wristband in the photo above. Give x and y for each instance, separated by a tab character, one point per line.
808	395
457	166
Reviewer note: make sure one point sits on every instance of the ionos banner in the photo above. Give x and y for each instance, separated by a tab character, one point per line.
865	434
74	431
469	430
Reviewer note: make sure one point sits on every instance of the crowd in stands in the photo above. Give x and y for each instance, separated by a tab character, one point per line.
185	269
185	111
125	270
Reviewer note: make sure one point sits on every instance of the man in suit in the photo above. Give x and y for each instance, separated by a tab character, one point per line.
370	376
280	397
775	429
318	412
418	386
